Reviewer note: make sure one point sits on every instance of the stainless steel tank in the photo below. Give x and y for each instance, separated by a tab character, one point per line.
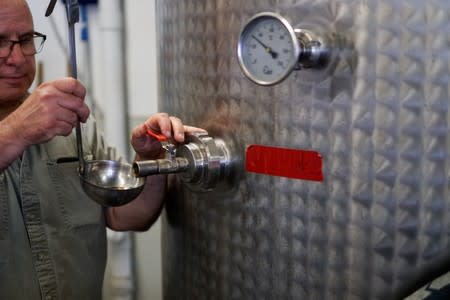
377	225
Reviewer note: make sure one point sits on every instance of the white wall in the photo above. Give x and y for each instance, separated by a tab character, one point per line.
53	57
141	48
141	77
142	91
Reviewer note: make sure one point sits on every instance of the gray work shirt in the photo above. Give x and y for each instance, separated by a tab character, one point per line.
52	236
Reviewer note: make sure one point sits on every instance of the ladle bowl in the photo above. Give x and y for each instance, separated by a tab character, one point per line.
111	183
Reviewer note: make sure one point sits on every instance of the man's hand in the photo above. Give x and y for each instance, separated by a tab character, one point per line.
53	109
147	147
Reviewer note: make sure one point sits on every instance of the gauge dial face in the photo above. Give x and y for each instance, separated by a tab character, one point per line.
268	48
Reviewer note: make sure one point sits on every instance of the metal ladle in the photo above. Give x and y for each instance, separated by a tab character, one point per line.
108	182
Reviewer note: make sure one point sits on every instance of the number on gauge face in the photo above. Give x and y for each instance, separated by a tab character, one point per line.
268	49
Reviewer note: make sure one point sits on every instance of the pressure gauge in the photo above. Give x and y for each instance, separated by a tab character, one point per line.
268	49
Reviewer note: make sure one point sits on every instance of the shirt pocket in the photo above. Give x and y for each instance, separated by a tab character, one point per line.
75	205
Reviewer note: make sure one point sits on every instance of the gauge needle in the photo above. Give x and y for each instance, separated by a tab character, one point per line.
268	49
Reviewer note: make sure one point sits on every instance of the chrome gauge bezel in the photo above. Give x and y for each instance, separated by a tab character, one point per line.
248	27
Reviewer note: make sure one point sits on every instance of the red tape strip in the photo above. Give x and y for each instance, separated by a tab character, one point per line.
291	163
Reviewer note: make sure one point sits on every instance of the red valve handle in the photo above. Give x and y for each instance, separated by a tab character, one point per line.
159	136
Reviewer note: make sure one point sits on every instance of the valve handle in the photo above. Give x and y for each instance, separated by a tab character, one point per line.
159	136
165	144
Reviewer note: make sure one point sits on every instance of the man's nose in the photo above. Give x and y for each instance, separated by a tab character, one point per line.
16	54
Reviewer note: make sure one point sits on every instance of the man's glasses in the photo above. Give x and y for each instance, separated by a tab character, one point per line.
30	44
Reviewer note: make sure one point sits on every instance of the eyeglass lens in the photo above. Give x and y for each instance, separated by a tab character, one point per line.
29	46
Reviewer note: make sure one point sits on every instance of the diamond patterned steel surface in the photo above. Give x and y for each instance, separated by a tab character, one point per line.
378	226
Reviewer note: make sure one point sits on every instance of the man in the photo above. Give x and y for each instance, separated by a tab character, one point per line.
52	236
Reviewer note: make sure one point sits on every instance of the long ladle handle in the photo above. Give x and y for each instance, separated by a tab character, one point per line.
73	16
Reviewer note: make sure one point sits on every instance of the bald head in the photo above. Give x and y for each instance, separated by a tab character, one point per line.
13	8
16	3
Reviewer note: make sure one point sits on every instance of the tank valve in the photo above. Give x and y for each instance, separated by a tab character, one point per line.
202	162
